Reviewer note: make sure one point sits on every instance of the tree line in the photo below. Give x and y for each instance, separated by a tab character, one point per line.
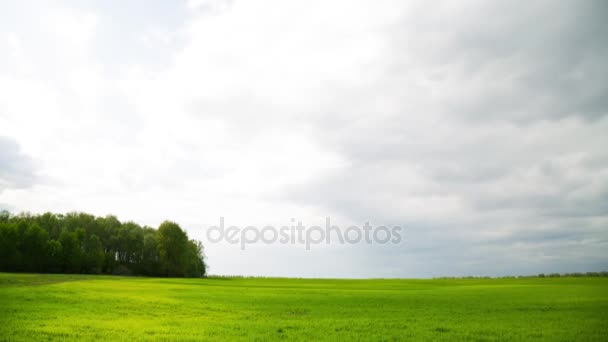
83	243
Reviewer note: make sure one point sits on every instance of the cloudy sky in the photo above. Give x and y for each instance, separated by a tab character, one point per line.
479	127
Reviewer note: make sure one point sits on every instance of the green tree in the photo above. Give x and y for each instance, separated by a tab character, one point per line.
33	248
4	216
71	254
128	243
196	259
10	257
151	258
54	256
79	242
173	249
51	223
93	255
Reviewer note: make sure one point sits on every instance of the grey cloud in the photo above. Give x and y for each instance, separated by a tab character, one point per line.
7	207
515	61
479	127
16	169
553	65
497	110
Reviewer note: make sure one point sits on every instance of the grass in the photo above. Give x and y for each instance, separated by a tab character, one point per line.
77	307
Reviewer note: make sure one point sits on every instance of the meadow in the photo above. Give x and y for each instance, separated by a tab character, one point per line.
87	307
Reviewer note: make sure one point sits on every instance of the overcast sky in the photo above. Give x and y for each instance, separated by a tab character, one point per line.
480	127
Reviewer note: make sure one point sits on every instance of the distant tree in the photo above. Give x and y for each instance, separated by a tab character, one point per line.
10	257
4	216
51	223
151	257
82	243
33	248
71	254
129	241
109	226
93	255
173	249
196	259
54	256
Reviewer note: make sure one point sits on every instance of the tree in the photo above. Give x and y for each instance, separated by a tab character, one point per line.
51	223
10	258
71	255
196	259
151	258
83	243
54	256
109	226
4	216
33	248
93	255
128	243
173	249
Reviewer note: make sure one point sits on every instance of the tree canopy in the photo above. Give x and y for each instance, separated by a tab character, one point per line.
83	243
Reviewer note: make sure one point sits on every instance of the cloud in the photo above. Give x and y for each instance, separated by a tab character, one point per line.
477	128
516	61
480	127
17	170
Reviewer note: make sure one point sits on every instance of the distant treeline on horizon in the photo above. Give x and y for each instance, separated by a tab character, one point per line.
84	243
540	275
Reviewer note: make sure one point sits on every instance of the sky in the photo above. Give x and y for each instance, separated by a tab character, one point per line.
479	127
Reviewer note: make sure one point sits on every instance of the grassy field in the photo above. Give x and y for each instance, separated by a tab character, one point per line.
74	307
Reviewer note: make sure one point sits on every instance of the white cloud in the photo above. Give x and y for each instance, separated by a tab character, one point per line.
466	122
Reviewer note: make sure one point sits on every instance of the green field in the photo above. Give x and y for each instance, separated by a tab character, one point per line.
79	307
